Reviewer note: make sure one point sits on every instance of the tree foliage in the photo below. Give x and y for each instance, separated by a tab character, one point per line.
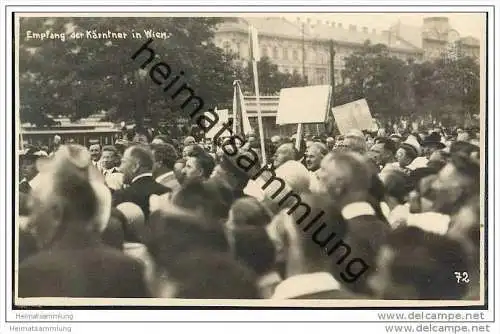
78	77
383	80
446	89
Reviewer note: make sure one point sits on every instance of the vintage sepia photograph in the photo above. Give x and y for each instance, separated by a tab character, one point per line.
304	159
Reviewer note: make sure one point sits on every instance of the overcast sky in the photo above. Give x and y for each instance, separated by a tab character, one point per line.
465	23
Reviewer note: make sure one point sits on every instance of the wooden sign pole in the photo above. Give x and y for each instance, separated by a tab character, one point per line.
298	139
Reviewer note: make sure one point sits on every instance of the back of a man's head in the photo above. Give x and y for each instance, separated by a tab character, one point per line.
202	197
72	182
353	144
284	153
295	175
65	184
174	232
165	155
113	234
421	257
469	173
320	147
389	144
144	155
248	211
317	240
253	247
211	275
206	162
134	227
397	184
355	168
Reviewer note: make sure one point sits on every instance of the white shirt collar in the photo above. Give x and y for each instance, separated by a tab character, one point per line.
357	209
163	176
34	181
269	279
111	170
140	176
305	284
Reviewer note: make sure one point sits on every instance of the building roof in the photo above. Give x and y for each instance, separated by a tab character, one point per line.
414	35
470	41
407	33
267	26
283	28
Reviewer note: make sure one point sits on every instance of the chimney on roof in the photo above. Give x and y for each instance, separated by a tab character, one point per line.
332	24
365	30
352	27
340	25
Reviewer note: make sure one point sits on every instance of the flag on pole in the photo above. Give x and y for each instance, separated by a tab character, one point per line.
254	44
241	124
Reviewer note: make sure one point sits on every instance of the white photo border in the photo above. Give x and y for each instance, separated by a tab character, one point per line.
239	315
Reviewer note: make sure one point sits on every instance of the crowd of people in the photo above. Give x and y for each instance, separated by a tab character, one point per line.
172	218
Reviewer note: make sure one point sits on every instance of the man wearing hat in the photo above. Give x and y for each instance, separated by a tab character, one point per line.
432	143
396	138
405	155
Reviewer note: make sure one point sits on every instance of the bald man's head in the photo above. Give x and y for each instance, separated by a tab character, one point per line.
314	154
284	153
344	172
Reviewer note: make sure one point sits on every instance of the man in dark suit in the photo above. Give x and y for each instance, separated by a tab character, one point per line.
72	261
81	266
346	177
137	167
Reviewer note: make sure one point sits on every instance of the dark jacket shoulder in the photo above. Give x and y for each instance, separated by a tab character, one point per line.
94	271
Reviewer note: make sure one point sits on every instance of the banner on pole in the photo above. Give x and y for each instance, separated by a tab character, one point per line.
241	124
223	118
303	104
353	115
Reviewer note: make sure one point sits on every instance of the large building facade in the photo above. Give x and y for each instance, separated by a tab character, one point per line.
436	38
304	46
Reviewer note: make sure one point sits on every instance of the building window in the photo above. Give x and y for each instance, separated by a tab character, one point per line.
238	50
321	76
264	52
321	58
295	55
275	53
227	47
285	53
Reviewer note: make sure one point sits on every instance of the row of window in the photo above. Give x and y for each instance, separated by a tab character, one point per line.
273	53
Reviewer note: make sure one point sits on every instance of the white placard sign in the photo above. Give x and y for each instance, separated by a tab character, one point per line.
303	104
223	118
353	115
